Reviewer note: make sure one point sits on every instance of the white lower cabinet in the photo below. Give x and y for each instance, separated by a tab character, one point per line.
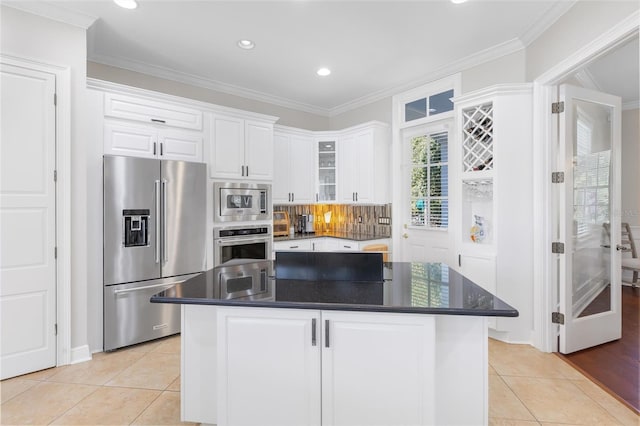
275	366
268	367
377	369
308	367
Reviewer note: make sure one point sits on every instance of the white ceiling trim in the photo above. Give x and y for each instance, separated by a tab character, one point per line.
631	105
50	11
587	80
470	61
478	58
198	81
543	24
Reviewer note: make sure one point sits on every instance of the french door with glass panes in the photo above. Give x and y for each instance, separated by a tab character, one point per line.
589	219
425	198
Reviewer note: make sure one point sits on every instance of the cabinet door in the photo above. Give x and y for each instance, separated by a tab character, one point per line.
268	367
301	168
227	148
281	191
133	108
293	245
364	175
258	151
378	369
180	145
130	140
347	169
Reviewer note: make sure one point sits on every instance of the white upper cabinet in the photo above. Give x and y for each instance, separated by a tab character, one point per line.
241	149
142	127
151	111
363	164
150	141
348	166
293	175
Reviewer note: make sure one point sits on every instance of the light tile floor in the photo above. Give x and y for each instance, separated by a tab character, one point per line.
141	386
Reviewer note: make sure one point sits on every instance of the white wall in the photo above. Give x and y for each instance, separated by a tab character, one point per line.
288	117
31	37
584	22
631	167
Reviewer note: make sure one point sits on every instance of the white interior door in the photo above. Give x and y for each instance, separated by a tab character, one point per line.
27	221
425	196
589	225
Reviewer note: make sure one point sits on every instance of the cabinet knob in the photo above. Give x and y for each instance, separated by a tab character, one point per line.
405	235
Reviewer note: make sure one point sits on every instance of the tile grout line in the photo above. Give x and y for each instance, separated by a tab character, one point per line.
518	397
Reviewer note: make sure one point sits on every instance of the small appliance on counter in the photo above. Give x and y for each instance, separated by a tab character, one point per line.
305	224
280	224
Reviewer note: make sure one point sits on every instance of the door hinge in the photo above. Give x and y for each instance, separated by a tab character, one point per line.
557	247
557	177
557	107
55	99
55	329
55	175
55	252
557	318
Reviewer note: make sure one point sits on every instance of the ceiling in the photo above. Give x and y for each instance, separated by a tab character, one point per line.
374	48
616	72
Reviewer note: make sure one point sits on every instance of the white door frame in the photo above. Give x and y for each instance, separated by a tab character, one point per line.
544	160
63	198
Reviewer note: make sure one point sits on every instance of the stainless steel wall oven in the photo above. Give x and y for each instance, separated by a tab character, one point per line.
243	242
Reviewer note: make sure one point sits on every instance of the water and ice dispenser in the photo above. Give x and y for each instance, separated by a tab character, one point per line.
136	227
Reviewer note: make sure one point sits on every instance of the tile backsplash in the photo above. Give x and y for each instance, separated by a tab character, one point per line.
344	218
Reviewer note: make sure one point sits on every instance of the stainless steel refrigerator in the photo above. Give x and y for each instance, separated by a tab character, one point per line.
154	237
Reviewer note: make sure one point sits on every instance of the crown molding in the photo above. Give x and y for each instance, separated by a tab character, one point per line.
587	80
198	81
54	12
451	68
539	27
631	105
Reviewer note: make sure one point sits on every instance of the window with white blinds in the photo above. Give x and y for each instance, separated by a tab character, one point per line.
429	180
590	181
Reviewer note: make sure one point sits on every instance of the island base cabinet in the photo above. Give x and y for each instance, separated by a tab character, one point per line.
280	366
377	369
268	367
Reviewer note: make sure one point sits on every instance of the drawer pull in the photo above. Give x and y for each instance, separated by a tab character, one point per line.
157	120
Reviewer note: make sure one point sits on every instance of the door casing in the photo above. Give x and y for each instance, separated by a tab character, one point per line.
545	153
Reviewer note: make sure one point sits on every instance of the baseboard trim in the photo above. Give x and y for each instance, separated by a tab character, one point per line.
80	354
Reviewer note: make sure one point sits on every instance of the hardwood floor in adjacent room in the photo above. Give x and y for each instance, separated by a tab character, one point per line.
616	365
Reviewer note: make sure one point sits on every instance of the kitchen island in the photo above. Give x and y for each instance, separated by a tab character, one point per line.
401	344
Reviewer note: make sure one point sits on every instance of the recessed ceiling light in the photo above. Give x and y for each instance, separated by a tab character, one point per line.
458	1
323	72
246	44
127	4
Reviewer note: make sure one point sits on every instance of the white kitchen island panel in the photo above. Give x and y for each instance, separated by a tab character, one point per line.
243	366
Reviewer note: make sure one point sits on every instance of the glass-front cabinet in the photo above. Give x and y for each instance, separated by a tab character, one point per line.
326	171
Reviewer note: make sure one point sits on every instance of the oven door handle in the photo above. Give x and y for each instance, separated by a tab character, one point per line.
235	241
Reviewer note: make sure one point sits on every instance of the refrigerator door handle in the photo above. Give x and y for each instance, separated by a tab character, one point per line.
146	287
165	257
156	186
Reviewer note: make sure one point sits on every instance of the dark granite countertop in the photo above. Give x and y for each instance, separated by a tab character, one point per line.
355	236
423	288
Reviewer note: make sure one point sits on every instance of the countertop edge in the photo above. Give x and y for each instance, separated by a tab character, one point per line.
336	307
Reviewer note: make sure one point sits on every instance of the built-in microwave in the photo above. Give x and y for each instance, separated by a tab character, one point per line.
237	201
